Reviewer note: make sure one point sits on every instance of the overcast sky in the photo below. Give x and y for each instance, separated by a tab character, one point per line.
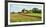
17	7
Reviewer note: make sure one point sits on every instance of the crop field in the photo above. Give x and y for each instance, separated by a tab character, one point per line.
25	17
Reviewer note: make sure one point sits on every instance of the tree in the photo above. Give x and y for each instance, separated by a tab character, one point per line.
36	10
23	10
39	11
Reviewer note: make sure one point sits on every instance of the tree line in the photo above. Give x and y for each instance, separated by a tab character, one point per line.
34	10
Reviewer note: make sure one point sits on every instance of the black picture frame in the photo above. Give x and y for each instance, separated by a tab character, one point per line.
6	12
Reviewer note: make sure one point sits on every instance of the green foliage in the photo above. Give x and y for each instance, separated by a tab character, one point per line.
23	10
36	10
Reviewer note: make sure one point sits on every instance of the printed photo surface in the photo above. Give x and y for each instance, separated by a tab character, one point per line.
24	13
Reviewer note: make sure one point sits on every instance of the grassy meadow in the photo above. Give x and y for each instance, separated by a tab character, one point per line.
25	17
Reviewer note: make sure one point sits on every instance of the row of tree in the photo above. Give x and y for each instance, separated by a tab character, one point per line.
34	10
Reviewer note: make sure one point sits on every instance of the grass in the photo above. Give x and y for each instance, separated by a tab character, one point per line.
24	18
34	14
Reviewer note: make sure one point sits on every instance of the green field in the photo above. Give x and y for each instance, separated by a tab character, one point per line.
25	17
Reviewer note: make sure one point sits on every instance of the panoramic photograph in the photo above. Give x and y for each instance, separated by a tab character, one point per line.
25	12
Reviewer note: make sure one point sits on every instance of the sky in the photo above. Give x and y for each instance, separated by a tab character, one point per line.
17	7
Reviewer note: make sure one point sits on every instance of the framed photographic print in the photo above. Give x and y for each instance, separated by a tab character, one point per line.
25	13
